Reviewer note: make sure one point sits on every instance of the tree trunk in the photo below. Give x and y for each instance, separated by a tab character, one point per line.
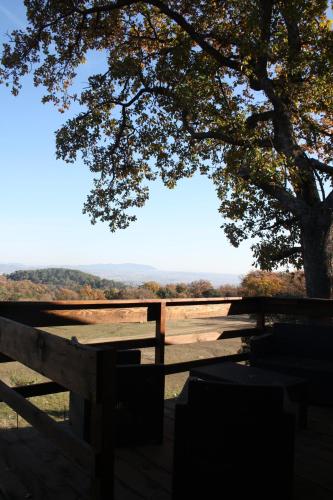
317	243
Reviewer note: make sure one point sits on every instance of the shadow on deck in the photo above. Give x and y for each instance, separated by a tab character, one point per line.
32	468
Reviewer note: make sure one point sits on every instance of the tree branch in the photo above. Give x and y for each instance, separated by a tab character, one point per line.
175	16
266	7
287	200
286	253
220	134
254	119
321	167
294	39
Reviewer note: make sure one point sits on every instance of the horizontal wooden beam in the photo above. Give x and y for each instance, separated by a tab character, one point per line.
177	309
298	306
70	365
197	311
121	343
186	366
98	316
60	313
42	389
73	447
191	338
5	359
240	333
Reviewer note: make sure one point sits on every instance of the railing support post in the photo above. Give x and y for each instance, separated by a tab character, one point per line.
160	332
102	426
261	323
260	315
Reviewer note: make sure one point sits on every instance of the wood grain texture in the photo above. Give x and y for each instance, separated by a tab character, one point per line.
60	313
102	316
198	311
70	365
191	338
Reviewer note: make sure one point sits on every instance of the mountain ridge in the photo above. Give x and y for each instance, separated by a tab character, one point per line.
132	273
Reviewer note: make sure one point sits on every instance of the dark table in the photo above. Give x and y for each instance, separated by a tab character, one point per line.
296	389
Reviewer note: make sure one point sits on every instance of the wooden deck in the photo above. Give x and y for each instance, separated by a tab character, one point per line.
32	468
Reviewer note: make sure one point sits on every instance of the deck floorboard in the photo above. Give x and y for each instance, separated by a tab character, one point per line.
32	468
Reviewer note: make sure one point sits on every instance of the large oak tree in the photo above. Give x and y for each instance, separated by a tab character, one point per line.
240	90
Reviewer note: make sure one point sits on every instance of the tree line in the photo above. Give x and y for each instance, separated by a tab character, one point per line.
287	284
64	277
254	283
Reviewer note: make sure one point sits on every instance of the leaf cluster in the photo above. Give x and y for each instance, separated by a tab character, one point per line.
240	91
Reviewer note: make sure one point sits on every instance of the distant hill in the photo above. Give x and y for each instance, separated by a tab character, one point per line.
136	273
64	277
11	267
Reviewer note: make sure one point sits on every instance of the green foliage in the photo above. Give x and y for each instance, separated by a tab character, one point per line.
238	90
69	278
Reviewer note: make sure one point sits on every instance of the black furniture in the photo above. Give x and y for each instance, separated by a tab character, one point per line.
299	350
233	441
139	403
296	389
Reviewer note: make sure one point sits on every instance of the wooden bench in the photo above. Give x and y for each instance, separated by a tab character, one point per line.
304	351
233	441
295	388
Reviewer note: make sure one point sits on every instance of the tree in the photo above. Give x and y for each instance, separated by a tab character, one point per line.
201	288
262	283
153	286
239	90
273	284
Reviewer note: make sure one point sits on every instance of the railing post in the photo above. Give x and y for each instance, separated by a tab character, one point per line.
102	426
261	323
160	332
260	315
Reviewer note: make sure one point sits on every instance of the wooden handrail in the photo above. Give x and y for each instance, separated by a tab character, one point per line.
70	365
89	369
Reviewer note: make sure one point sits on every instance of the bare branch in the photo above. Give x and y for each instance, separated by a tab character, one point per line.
321	185
322	167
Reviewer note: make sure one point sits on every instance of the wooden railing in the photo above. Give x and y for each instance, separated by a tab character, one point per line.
88	369
61	313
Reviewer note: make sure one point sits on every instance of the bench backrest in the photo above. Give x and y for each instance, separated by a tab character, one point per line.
313	341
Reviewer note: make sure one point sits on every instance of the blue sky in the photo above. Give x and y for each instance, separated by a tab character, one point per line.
41	199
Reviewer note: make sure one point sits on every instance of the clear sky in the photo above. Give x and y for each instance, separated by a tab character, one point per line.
41	199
